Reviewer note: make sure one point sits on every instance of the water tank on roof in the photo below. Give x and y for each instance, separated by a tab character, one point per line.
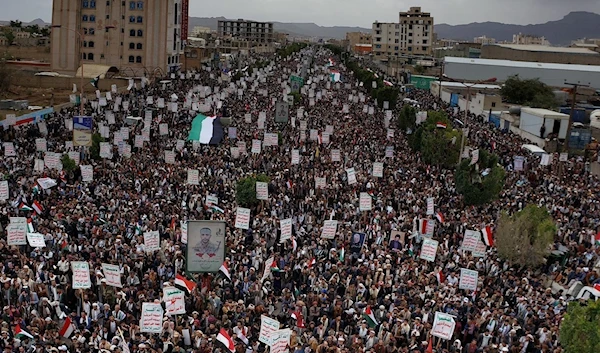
514	110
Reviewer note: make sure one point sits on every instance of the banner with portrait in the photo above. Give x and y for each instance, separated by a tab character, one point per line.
206	246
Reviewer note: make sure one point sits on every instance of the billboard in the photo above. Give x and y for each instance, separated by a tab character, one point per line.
185	12
82	131
206	246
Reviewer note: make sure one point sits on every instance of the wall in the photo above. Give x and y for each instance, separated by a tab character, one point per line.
531	123
498	52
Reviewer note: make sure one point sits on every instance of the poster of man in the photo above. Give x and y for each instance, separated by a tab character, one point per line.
206	246
358	239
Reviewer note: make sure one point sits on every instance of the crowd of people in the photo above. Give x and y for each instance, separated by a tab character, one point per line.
326	283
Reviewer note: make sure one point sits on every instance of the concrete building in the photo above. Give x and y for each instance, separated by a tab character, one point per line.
412	35
460	50
484	40
141	37
357	41
251	31
484	97
541	53
554	75
528	39
199	31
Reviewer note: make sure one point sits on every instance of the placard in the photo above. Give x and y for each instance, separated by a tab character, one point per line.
112	275
87	173
351	176
193	177
295	156
443	326
365	202
430	205
36	240
329	229
429	249
163	129
468	279
242	218
267	327
335	156
286	229
174	300
41	145
563	157
151	320
262	190
320	183
105	150
151	241
170	157
4	193
389	152
378	170
9	149
17	232
206	248
470	240
81	275
280	341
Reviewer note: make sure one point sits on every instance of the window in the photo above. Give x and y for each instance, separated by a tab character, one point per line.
131	58
92	18
409	48
92	31
139	46
101	56
140	33
132	5
91	44
86	4
176	12
108	17
493	104
377	46
93	4
131	19
85	31
138	59
139	19
131	46
91	56
132	32
140	5
85	44
107	4
169	60
395	48
84	56
84	18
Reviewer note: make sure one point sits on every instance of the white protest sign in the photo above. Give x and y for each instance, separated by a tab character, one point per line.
4	193
365	202
267	327
267	270
9	149
105	150
112	274
41	145
17	231
163	129
256	146
468	279
81	275
184	232
151	241
429	249
320	183
242	218
335	156
470	240
262	190
443	326
280	340
430	205
170	157
36	240
351	176
329	229
174	300
295	156
286	229
389	152
151	320
193	177
87	173
378	170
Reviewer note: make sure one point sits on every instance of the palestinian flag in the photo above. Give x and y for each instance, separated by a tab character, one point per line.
370	317
224	338
440	217
335	76
30	228
224	269
184	284
440	125
487	236
215	208
67	328
208	130
21	333
37	207
331	62
274	266
24	207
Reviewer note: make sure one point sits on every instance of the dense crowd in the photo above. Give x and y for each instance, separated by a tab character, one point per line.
103	221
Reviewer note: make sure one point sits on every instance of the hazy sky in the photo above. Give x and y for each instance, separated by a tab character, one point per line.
350	12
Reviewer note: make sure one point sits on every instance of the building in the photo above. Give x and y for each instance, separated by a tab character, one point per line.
251	31
412	35
460	50
484	97
357	41
484	40
553	75
142	37
541	53
528	39
199	31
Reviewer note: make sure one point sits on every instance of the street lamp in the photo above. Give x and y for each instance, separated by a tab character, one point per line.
468	103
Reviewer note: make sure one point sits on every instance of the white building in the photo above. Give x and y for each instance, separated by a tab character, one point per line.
411	35
484	40
529	39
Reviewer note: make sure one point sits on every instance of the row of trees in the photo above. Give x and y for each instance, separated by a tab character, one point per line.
381	92
291	49
530	92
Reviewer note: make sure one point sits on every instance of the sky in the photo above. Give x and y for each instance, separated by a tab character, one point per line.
349	12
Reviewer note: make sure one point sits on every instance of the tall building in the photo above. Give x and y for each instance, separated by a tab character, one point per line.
358	42
528	39
142	37
412	35
251	31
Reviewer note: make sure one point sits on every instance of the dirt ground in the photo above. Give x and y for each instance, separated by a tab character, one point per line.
35	96
14	52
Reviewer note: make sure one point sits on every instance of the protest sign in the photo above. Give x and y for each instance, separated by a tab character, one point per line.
151	320
468	279
81	275
242	218
429	249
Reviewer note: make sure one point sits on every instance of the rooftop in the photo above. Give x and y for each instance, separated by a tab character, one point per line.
522	64
544	112
460	85
548	49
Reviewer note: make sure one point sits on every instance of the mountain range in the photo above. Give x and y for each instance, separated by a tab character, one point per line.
574	25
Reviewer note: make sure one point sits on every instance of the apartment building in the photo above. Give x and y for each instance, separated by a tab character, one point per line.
411	35
141	37
484	40
528	39
251	31
357	41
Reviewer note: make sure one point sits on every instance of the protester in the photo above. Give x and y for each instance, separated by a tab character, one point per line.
322	289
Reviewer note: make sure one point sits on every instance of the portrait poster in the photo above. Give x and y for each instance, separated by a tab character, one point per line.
206	246
358	239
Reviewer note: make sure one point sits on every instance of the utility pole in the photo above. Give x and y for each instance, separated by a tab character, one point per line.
573	100
440	83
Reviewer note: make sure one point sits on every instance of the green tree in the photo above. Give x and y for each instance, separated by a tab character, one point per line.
407	119
10	36
95	148
389	94
524	237
482	182
580	328
419	70
529	92
68	164
245	191
16	24
337	50
437	146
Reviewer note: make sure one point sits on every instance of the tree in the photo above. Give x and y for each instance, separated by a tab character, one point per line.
580	328
16	24
68	164
245	191
482	182
438	146
387	93
407	119
95	148
10	36
524	237
529	92
419	70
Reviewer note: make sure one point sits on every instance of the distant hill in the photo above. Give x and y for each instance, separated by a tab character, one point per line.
573	26
37	21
